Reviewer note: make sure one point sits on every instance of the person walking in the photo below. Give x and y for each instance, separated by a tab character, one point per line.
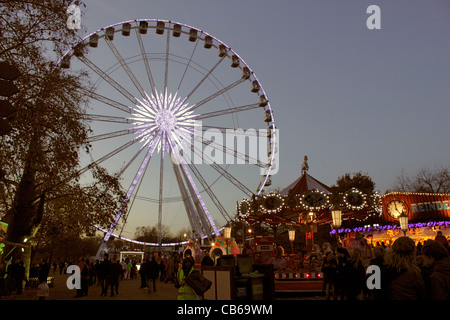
342	256
124	268
116	271
329	270
104	274
170	270
128	269
44	269
354	275
143	273
185	292
152	274
401	278
437	256
85	271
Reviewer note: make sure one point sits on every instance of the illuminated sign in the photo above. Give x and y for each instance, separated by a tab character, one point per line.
419	207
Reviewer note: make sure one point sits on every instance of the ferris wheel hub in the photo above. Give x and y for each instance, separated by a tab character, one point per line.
165	120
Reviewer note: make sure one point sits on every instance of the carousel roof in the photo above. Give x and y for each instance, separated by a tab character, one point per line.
305	183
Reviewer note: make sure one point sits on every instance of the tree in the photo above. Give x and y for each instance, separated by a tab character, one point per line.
361	181
426	180
40	156
150	234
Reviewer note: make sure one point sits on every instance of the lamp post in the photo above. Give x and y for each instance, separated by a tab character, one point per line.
227	235
292	238
336	215
403	219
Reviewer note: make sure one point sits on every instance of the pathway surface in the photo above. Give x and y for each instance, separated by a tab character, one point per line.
128	290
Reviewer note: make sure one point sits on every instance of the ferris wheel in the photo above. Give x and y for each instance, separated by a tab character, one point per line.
169	109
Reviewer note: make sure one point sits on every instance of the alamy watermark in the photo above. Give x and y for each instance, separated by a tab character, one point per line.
74	280
230	146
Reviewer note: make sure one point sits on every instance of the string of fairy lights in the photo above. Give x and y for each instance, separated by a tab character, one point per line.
312	200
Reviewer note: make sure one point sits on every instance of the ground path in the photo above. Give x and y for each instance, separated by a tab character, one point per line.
128	290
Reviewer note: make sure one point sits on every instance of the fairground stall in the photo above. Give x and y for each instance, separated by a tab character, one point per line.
423	216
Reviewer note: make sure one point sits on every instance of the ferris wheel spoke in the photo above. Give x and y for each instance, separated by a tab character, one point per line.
107	156
203	79
111	135
209	191
108	79
136	179
187	66
125	67
223	172
166	69
222	112
216	94
146	63
106	100
231	151
130	162
103	118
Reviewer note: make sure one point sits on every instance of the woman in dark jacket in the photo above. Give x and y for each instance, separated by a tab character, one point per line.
354	275
401	279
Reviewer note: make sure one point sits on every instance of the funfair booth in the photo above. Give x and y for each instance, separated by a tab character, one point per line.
425	213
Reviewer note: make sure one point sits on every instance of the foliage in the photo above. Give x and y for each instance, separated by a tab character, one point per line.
41	155
150	234
426	180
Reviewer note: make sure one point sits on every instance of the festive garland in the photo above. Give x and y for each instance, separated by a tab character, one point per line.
315	200
272	203
350	197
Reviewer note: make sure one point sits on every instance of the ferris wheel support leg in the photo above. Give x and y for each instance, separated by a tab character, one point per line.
195	226
201	207
101	250
125	201
161	179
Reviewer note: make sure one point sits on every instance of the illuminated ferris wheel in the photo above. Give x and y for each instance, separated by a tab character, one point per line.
167	110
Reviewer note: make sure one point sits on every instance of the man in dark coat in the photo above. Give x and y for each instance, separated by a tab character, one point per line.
116	271
104	274
152	274
436	255
44	269
143	273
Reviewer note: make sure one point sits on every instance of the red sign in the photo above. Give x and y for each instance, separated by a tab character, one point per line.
419	207
309	235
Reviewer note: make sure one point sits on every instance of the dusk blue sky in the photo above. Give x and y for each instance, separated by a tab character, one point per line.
350	98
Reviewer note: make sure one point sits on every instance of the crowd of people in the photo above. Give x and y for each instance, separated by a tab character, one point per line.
402	271
109	272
